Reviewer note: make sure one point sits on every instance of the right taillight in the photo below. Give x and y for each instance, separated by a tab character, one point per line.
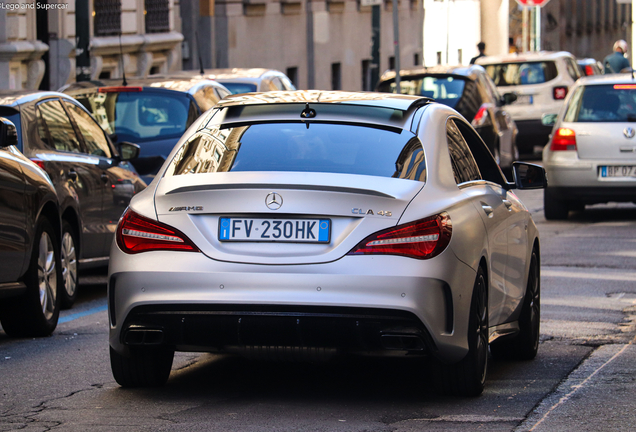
136	234
482	117
563	139
422	239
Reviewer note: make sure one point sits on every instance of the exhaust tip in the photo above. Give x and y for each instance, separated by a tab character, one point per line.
143	336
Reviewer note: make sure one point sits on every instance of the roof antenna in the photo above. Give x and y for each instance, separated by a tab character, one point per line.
121	55
201	71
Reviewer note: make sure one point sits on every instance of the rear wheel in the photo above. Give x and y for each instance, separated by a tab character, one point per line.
35	313
69	266
526	344
143	367
467	377
553	207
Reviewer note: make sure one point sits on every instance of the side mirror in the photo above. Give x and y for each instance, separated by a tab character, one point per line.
508	98
549	119
529	176
8	133
128	150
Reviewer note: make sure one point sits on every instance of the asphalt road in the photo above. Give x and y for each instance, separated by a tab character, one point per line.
64	382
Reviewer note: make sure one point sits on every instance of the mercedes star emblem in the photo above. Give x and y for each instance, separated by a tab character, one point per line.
273	201
629	132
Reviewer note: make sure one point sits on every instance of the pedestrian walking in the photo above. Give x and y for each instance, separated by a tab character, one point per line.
616	62
481	47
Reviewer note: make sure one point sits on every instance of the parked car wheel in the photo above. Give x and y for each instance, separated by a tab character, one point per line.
35	313
467	377
143	367
526	344
553	207
69	266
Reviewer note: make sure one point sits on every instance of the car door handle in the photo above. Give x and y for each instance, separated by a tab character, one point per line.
508	205
71	175
487	209
104	178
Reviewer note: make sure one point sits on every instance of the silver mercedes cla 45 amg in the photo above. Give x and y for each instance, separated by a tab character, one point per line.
311	223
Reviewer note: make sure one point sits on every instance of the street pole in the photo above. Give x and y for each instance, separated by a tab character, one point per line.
375	45
537	29
633	35
396	44
524	29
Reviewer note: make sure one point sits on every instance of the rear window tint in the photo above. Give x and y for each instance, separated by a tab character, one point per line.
524	73
602	103
238	88
444	89
292	146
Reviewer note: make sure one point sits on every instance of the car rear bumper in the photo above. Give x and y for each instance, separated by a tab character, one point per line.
192	303
532	133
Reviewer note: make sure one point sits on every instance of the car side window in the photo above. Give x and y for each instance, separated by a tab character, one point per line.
572	68
55	128
94	138
483	158
277	84
465	168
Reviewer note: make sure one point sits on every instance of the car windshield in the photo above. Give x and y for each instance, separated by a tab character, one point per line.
300	147
443	88
522	73
139	115
238	88
603	103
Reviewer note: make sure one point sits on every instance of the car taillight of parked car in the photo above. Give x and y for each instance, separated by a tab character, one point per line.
39	162
559	93
563	139
136	233
422	239
482	117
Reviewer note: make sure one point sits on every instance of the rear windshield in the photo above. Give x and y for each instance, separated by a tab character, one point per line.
603	103
321	147
135	116
444	89
238	88
14	116
525	73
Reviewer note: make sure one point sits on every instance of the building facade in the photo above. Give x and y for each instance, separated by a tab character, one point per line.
318	43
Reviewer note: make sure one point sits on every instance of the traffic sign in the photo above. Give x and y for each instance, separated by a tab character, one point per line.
539	3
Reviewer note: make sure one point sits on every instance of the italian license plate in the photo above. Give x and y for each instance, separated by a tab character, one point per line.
275	230
618	171
523	100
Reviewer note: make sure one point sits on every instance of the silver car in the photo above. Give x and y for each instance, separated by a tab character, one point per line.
591	156
305	224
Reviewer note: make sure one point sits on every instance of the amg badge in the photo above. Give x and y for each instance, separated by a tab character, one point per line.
186	208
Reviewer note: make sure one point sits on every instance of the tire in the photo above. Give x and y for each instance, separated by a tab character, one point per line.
35	313
144	367
553	207
70	277
526	344
467	378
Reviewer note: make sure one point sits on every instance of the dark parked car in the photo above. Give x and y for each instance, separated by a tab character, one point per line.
30	270
90	175
153	112
470	91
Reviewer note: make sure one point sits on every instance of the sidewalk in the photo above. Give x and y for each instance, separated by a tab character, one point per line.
600	395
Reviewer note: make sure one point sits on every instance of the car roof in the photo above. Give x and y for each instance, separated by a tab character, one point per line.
469	71
624	78
369	99
14	98
168	82
524	57
232	73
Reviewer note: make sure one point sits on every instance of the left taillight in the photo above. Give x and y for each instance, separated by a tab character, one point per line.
421	239
559	93
136	234
39	162
482	117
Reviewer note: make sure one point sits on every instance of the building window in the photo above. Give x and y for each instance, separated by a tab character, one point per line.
292	74
391	63
439	57
416	59
157	16
107	17
366	75
336	76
